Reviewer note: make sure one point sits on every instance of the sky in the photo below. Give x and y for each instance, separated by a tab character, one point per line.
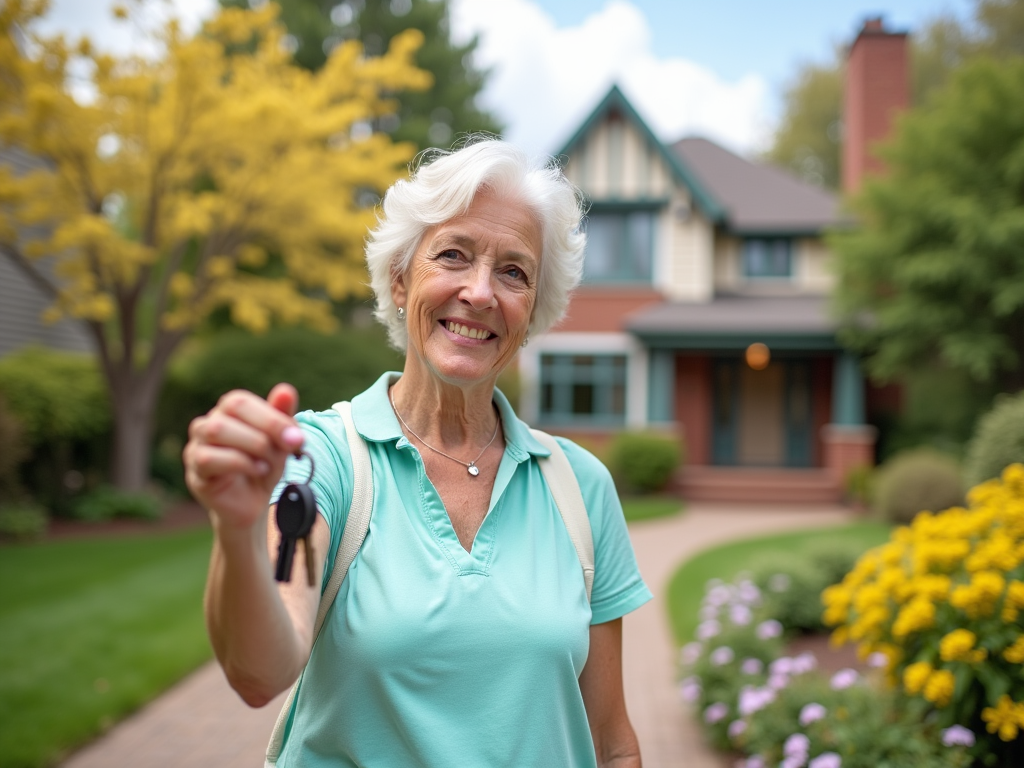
717	68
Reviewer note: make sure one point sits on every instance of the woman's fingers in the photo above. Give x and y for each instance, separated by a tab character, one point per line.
265	416
209	462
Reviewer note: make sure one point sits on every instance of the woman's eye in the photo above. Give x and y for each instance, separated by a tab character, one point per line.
515	273
449	254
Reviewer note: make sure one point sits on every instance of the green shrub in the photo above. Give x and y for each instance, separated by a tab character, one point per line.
917	480
107	502
644	461
56	396
998	441
22	521
859	485
323	368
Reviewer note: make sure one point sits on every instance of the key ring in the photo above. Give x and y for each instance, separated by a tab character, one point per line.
299	454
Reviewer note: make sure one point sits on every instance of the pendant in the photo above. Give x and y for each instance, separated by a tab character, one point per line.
472	469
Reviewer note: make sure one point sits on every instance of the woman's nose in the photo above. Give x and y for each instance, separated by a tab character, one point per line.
478	291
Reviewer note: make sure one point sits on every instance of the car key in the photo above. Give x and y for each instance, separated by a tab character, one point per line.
296	513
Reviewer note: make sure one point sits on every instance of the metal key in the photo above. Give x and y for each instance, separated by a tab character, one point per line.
296	513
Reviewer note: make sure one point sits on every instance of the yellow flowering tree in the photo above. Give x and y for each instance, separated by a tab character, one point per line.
213	175
942	601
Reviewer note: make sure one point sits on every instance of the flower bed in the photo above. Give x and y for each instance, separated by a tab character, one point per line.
935	614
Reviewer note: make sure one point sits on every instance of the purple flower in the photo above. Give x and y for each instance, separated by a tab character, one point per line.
797	744
754	761
957	735
826	760
751	667
690	652
844	678
877	660
768	629
781	666
752	699
718	595
708	629
721	656
740	615
778	682
749	593
804	663
812	713
794	761
690	689
715	713
736	728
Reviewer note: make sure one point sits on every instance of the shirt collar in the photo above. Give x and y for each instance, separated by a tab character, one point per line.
375	420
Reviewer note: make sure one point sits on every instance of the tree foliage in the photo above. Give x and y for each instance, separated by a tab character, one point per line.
214	175
933	274
430	117
808	138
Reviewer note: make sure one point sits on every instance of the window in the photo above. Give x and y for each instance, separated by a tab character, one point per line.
583	389
620	245
767	257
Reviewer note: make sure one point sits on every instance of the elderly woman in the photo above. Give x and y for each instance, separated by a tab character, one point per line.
462	634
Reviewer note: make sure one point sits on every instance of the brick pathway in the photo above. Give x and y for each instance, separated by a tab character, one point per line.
201	722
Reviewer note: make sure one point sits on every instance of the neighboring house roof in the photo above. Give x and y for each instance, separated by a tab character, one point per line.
733	322
615	100
758	198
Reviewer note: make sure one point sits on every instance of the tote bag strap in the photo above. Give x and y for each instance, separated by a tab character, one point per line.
565	489
356	526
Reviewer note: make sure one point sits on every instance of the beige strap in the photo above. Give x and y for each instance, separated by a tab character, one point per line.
565	489
357	525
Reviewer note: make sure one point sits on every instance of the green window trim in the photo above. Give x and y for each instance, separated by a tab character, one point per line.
620	245
585	390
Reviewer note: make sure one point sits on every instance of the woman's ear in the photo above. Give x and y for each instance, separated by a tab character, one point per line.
399	295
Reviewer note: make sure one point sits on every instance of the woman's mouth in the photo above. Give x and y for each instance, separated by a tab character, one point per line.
466	331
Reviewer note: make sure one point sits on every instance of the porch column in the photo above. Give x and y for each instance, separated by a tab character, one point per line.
849	442
661	387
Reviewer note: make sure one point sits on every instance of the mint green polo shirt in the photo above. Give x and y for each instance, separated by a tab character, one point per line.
437	657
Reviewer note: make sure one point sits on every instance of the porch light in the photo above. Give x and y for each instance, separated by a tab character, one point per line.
758	356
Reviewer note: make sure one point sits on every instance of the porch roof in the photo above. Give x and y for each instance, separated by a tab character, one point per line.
735	322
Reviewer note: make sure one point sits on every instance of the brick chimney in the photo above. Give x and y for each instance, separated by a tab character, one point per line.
877	89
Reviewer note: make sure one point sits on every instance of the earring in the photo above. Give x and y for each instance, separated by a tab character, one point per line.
401	313
526	340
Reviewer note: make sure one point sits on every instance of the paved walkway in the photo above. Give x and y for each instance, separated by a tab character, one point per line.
201	722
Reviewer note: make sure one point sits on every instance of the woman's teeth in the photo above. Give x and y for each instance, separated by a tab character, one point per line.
469	333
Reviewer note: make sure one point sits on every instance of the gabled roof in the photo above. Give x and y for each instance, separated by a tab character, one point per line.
758	198
615	100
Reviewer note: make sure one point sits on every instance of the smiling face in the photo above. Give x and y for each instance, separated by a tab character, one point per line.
470	289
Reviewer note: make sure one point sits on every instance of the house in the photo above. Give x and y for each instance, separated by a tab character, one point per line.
22	300
704	312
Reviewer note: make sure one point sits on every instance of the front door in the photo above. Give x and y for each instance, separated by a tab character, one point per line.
761	418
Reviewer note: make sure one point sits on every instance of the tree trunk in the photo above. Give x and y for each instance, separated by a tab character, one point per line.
133	431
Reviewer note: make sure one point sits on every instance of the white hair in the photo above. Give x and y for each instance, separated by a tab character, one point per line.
443	186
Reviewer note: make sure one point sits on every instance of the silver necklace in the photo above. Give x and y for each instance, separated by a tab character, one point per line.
471	467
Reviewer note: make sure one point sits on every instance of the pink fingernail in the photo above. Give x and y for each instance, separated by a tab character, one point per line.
292	436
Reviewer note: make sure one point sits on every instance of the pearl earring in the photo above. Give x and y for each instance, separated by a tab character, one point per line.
526	340
401	313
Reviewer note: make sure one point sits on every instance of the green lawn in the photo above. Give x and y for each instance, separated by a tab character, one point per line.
645	507
90	630
686	589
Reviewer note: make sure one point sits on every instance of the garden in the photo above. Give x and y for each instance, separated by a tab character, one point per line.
929	596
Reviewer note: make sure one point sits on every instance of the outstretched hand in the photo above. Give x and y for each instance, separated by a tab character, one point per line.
236	454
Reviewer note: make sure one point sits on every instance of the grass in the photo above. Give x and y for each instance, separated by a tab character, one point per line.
647	507
92	629
686	589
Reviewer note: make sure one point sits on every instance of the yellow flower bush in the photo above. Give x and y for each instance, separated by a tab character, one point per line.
942	602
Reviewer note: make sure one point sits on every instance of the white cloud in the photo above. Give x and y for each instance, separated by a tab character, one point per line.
95	20
545	80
